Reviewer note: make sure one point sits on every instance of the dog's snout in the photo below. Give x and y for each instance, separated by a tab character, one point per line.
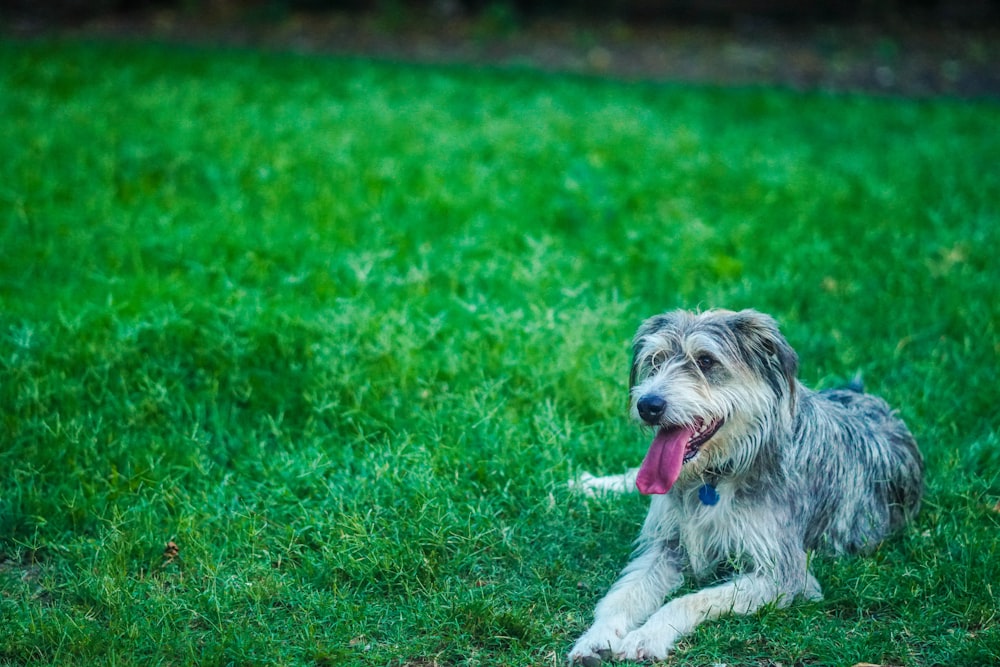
651	408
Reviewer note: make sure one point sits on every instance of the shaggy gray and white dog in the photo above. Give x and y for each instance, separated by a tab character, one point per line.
749	472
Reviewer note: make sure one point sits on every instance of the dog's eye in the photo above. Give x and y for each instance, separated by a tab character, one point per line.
705	362
657	360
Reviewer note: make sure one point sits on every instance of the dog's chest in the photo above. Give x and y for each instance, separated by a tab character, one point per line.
715	529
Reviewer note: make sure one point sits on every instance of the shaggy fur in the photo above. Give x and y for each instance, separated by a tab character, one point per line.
770	472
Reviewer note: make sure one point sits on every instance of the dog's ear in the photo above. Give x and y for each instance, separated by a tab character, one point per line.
761	331
638	341
633	373
646	329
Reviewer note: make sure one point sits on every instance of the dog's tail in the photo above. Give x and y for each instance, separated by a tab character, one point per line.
856	384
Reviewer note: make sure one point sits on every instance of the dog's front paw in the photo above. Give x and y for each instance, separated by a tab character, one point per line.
595	486
642	644
597	644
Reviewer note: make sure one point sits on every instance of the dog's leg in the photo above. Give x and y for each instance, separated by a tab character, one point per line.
592	486
812	590
637	594
744	594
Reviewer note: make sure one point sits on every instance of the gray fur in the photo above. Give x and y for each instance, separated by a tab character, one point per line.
795	470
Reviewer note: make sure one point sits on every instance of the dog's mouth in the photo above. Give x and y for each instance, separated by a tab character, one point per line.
673	446
703	432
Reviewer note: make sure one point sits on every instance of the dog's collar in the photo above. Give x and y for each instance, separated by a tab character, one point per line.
707	494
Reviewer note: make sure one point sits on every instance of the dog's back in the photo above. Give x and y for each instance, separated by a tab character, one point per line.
867	480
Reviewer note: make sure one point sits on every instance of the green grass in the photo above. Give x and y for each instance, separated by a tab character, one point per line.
341	330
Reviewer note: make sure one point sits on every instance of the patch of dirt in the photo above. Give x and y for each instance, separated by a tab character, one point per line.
28	572
894	58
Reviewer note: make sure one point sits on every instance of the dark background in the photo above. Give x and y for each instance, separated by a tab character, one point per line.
912	48
956	11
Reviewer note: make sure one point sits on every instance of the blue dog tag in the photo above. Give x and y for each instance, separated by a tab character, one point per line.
708	495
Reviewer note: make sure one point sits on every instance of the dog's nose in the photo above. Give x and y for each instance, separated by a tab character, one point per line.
651	408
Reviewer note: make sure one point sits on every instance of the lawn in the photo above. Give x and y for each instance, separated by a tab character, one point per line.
297	353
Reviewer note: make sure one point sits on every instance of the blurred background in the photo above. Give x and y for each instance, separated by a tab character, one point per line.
901	47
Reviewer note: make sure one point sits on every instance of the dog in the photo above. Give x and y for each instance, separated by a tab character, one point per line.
749	473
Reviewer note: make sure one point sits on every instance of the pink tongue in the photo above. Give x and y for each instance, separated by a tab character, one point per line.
662	465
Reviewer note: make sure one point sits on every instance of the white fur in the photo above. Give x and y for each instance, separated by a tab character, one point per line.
632	623
595	486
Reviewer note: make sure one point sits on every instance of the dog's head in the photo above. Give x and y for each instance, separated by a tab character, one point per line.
711	384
